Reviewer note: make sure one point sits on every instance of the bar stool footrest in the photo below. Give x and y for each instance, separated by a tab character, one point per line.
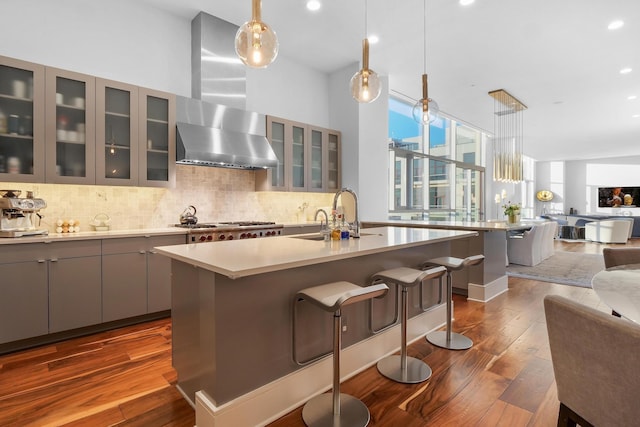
417	371
318	412
457	342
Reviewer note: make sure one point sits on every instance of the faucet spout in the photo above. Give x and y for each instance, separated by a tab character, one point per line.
356	222
326	217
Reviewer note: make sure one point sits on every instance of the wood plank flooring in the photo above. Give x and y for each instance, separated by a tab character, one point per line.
124	377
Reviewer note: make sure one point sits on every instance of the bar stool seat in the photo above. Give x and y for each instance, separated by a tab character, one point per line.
401	368
448	339
337	409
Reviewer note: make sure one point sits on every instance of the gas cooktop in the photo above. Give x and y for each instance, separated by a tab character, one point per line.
226	224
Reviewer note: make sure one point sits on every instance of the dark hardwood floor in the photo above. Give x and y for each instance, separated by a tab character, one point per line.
124	377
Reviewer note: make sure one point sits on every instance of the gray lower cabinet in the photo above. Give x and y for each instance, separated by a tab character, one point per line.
23	300
159	273
48	287
124	278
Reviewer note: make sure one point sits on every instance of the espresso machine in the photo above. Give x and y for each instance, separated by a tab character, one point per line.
18	214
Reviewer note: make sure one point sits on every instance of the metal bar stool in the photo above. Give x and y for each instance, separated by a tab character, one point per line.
337	409
401	368
448	339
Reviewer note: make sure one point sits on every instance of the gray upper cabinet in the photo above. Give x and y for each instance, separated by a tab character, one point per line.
21	121
70	127
116	133
157	136
308	158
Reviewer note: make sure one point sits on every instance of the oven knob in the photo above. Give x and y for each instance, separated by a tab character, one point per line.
222	237
243	235
209	237
254	235
203	238
230	237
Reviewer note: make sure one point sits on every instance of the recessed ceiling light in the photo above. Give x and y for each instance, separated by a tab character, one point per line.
625	70
636	116
313	5
632	97
614	25
373	39
466	2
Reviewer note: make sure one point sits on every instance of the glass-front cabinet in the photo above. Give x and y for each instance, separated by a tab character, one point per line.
308	158
157	139
70	127
116	133
21	121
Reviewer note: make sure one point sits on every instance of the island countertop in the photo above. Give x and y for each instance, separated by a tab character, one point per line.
453	225
241	258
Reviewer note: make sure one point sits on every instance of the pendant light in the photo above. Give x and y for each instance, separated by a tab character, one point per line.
425	111
256	43
365	84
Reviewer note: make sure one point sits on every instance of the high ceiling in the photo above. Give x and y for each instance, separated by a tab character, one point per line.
556	56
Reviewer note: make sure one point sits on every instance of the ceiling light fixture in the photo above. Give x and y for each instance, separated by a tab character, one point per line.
614	25
466	2
626	70
373	39
313	5
256	42
426	109
635	116
365	84
508	140
632	97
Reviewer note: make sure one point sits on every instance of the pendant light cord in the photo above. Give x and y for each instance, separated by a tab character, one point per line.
366	36
424	27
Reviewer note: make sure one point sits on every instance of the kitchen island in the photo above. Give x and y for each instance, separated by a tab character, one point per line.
489	279
232	305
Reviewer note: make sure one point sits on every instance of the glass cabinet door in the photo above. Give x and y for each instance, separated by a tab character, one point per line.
157	139
116	133
275	135
333	161
21	121
298	149
317	160
70	127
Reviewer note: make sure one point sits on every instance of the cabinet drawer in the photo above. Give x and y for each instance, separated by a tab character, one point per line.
166	241
46	251
124	245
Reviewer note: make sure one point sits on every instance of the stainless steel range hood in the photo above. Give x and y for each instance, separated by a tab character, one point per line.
213	127
217	135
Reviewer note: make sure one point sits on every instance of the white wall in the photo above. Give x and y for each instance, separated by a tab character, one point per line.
583	177
116	39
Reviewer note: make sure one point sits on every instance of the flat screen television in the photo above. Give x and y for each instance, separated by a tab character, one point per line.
618	197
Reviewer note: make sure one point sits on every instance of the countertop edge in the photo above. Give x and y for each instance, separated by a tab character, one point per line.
93	235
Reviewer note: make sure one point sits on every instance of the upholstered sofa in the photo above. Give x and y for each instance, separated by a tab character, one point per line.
609	230
533	246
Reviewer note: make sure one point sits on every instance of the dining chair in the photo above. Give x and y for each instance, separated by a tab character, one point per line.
596	364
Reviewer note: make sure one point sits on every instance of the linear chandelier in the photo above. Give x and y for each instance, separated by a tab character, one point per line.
508	140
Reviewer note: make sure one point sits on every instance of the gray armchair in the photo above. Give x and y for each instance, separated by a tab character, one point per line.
596	365
620	256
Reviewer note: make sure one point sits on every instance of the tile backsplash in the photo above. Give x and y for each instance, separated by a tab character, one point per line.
218	195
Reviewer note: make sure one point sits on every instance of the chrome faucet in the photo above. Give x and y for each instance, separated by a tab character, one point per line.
326	217
356	222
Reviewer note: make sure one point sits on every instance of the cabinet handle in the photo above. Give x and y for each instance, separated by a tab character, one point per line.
142	252
153	252
41	261
54	259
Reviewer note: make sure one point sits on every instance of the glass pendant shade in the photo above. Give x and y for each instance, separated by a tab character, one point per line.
256	43
426	110
365	84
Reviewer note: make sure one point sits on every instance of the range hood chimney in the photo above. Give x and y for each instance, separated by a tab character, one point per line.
214	128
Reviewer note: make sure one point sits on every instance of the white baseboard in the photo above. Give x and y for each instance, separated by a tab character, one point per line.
271	401
484	293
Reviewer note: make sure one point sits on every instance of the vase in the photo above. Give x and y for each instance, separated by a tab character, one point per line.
513	218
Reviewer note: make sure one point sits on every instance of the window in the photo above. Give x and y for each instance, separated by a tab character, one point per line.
437	173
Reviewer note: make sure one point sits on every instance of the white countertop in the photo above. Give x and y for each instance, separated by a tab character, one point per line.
239	258
92	235
455	225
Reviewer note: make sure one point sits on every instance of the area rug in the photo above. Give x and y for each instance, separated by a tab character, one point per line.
567	268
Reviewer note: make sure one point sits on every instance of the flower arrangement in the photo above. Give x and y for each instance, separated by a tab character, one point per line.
511	209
